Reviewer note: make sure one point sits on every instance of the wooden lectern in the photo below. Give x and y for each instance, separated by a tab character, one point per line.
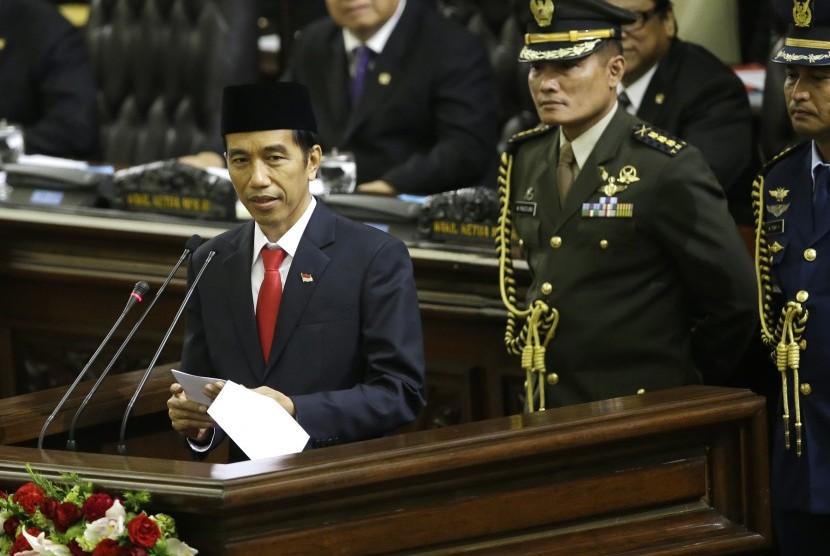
681	471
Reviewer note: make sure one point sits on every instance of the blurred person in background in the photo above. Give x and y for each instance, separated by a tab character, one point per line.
683	88
47	85
408	92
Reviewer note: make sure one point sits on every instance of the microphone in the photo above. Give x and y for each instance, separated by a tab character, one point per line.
122	446
139	291
189	247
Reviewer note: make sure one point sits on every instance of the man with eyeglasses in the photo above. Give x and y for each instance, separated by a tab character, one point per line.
683	88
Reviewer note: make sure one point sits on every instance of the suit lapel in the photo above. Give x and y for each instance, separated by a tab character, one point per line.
654	101
588	181
237	272
304	277
337	83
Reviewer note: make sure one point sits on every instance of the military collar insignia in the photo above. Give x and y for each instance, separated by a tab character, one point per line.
779	194
660	140
611	185
802	15
776	247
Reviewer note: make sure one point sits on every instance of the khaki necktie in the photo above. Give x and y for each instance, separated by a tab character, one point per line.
566	171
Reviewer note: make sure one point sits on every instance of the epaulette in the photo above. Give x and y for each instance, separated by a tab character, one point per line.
659	139
787	151
528	133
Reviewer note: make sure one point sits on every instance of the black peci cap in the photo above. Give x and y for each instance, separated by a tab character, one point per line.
807	42
570	29
266	106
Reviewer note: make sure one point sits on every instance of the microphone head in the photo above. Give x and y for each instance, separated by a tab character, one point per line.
193	243
141	289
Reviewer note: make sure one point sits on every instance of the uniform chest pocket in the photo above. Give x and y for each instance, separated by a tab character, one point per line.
606	234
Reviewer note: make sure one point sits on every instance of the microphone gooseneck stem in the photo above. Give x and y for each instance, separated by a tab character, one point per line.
80	377
122	446
70	443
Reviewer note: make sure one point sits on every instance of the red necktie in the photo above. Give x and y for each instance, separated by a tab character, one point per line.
268	301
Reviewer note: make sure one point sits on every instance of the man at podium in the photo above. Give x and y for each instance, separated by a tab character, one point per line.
302	305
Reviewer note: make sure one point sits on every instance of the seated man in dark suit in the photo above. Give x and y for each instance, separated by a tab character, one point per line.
46	81
683	88
424	119
342	350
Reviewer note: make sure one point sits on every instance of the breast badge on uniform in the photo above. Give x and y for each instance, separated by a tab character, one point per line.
608	205
660	140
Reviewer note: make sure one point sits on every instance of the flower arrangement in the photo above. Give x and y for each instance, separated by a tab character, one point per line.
69	519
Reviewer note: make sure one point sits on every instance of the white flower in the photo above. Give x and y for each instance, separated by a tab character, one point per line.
111	526
4	515
178	548
44	547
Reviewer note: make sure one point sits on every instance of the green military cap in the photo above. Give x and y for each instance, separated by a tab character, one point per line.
570	29
807	42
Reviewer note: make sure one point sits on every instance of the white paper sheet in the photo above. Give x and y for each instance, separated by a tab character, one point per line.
194	386
257	423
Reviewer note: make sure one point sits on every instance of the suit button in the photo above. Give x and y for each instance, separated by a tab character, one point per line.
556	242
552	378
603	244
806	389
521	243
641	391
810	254
547	287
802	344
802	296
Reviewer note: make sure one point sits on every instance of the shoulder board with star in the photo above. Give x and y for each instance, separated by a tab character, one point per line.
659	139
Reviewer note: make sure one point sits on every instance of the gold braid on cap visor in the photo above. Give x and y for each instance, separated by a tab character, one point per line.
570	36
585	43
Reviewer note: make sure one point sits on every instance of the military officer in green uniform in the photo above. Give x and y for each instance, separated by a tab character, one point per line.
640	280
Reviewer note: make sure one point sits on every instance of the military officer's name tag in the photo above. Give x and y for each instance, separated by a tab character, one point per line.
607	207
524	207
774	227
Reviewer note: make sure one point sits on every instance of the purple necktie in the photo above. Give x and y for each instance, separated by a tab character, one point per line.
363	55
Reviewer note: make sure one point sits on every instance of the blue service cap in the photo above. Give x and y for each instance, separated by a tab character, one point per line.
807	42
571	29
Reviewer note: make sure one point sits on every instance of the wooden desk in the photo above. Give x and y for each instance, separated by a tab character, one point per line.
65	277
675	472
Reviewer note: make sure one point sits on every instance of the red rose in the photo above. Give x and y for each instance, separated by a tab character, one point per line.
96	506
66	514
75	549
143	531
107	547
21	544
133	551
48	507
29	496
4	494
10	526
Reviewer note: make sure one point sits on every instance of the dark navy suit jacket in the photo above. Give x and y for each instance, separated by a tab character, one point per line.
348	346
426	121
697	97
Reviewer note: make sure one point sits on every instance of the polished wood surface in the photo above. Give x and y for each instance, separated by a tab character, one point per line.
681	471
